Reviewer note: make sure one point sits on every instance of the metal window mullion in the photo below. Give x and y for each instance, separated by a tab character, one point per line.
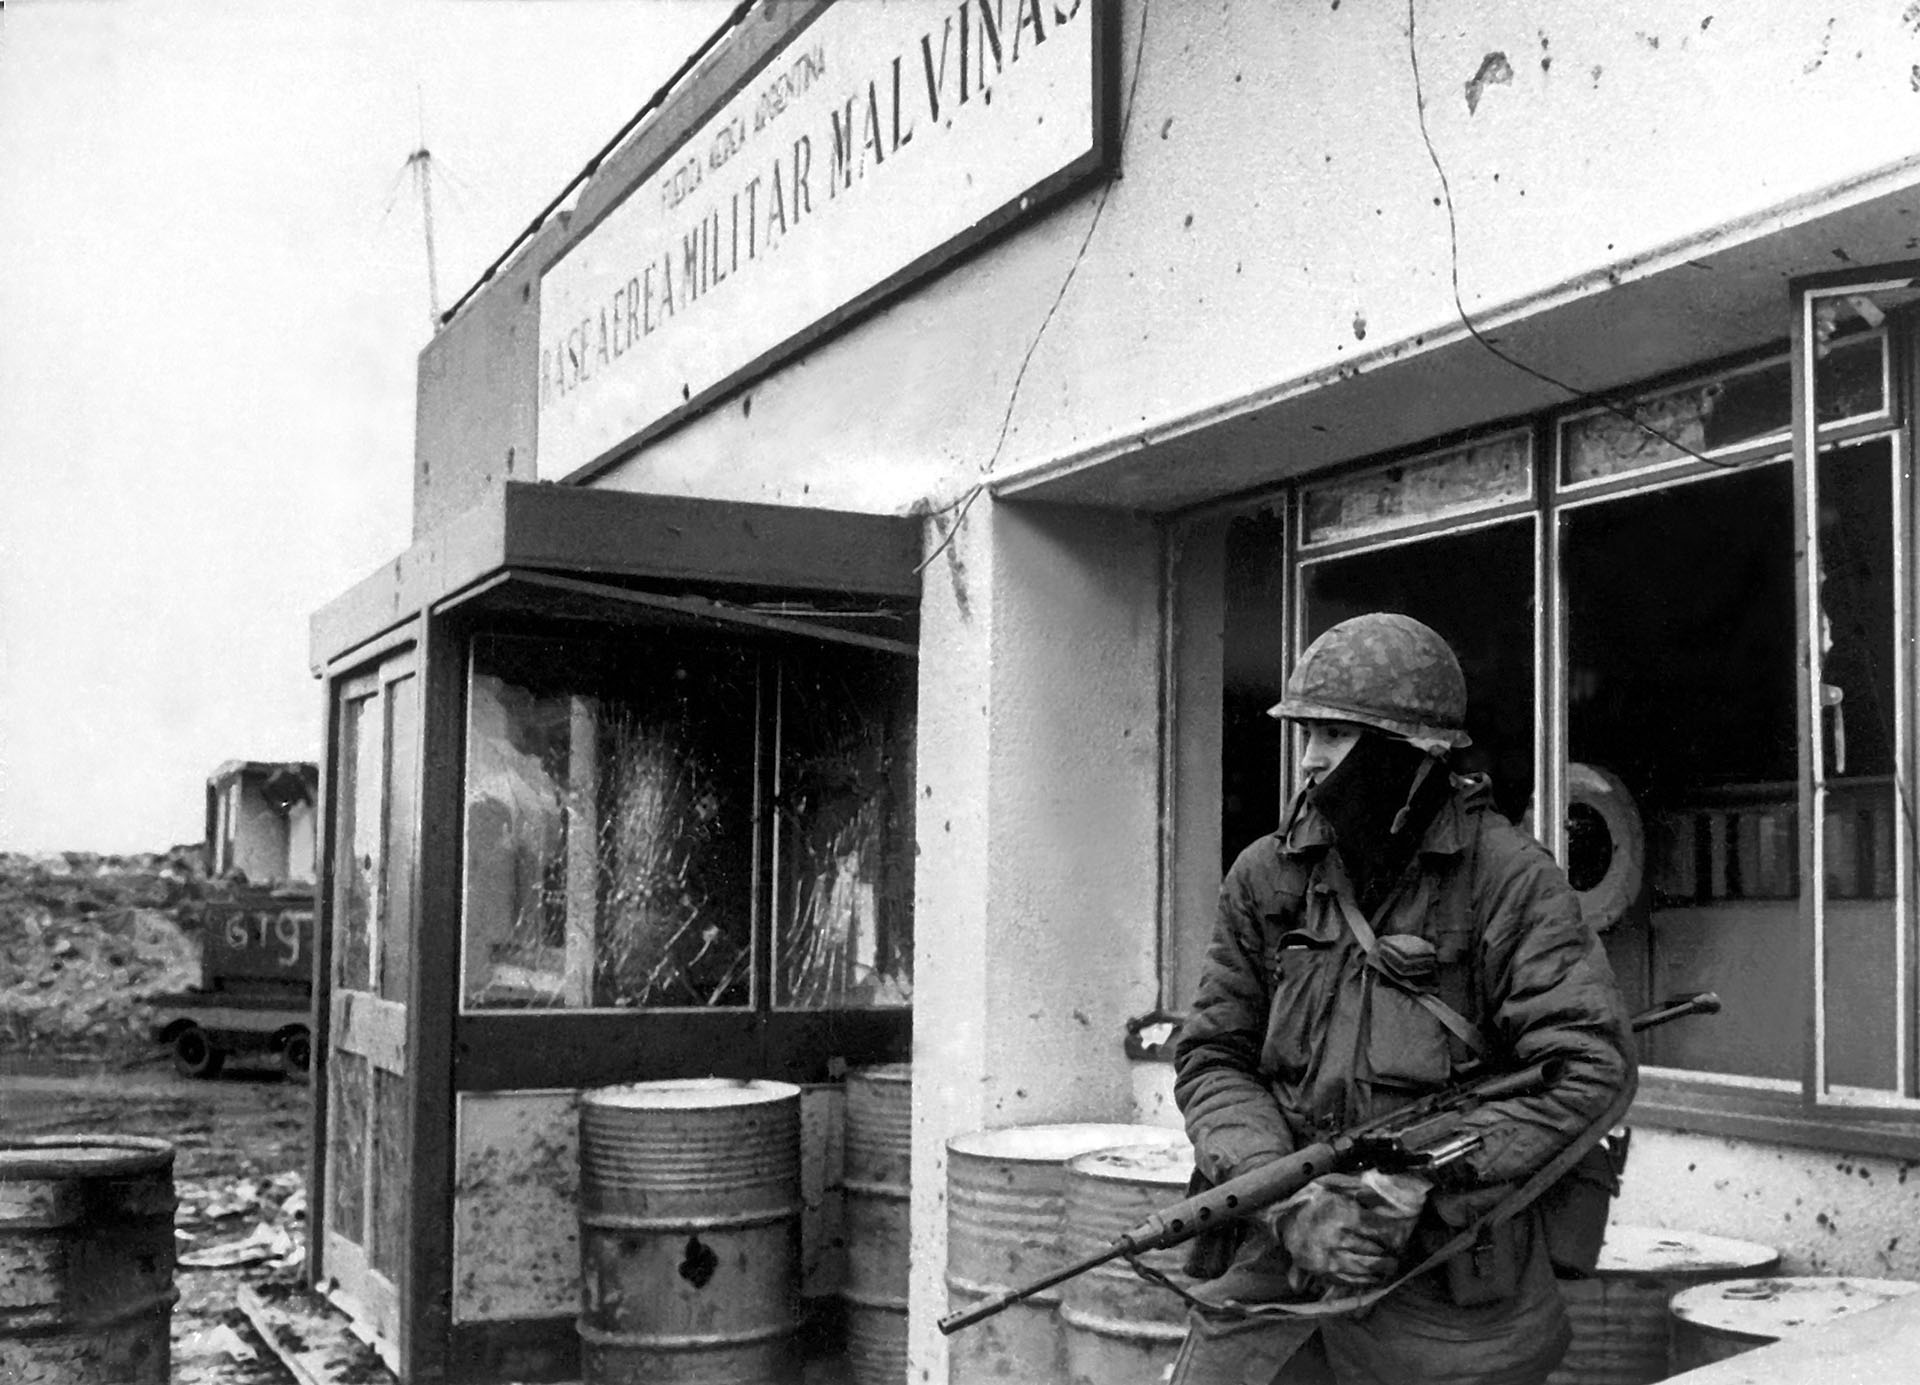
1172	538
1550	749
1811	794
1903	950
1293	618
763	912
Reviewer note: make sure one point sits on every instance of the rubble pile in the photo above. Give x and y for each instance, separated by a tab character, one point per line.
86	939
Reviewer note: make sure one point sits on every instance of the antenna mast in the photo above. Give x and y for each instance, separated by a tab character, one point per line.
421	162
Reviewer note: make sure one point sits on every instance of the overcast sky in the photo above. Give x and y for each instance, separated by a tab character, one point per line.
213	291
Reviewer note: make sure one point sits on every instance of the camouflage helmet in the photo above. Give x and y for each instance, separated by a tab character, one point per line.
1386	671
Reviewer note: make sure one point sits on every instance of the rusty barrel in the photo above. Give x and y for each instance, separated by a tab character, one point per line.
877	1162
1716	1321
690	1232
86	1260
1006	1192
1619	1313
1118	1328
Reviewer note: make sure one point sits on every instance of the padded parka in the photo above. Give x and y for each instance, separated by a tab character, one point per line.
1288	1039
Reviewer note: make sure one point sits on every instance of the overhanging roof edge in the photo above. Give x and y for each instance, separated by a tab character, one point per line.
625	534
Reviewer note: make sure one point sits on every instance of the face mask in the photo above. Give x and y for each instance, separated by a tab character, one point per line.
1365	793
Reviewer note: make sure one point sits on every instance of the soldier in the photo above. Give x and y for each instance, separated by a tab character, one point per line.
1395	929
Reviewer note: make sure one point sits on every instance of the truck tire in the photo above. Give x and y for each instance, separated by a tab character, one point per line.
195	1055
296	1055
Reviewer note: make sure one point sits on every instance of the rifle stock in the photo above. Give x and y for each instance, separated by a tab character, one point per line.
1409	1137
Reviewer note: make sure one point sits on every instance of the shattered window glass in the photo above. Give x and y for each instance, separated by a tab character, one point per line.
1455	482
843	929
609	825
1729	411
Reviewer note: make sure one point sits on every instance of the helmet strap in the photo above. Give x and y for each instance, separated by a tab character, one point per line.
1413	791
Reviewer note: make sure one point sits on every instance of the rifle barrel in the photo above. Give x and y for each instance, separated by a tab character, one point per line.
1000	1302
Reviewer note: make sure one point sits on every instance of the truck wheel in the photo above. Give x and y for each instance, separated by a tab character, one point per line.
194	1054
296	1055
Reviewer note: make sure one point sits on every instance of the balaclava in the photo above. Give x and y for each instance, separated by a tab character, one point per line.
1370	794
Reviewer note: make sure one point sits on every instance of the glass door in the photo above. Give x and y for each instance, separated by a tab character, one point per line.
364	1204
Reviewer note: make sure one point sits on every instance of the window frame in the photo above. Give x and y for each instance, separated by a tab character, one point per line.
1807	1111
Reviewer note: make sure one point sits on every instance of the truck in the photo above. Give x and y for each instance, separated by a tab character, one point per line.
255	994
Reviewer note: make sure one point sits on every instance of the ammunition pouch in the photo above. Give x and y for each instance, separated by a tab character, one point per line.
1574	1210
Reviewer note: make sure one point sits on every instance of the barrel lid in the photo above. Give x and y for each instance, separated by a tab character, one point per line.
882	1072
691	1093
1162	1164
1054	1144
1767	1309
71	1156
1657	1250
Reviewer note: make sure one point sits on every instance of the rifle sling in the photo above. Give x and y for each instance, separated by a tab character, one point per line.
1501	1212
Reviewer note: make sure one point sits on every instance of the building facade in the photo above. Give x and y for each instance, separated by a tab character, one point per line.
857	529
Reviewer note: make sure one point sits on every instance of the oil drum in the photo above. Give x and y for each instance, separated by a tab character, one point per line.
1619	1312
690	1232
1005	1194
1716	1321
877	1163
1118	1328
86	1260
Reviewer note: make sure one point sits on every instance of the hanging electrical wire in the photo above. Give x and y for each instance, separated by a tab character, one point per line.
1580	396
964	502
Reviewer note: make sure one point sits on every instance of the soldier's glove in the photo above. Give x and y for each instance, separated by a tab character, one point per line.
1346	1229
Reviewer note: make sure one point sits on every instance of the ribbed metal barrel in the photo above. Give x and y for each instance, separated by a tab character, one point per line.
1005	1193
689	1232
1118	1328
86	1260
1715	1321
878	1159
1619	1314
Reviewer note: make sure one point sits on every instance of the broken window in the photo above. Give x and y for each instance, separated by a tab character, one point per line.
635	805
843	937
609	826
1475	588
1680	648
1726	414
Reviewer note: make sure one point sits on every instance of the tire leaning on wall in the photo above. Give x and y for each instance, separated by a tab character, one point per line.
1606	902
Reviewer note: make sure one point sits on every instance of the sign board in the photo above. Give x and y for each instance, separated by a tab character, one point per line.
885	137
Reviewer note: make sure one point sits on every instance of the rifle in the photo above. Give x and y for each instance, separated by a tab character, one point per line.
1419	1137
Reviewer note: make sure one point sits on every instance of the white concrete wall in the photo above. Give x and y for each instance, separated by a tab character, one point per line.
1826	1213
1035	887
1279	220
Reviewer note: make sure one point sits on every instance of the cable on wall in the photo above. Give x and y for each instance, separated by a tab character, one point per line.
965	502
1578	395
